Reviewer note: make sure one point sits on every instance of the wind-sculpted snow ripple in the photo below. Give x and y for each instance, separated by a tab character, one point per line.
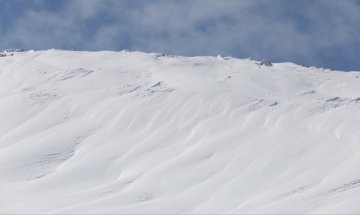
130	132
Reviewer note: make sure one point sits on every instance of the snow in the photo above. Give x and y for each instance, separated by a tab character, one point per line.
132	132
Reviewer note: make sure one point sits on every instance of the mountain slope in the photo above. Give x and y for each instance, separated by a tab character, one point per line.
130	132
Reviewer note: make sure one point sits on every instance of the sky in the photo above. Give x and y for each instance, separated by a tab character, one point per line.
322	33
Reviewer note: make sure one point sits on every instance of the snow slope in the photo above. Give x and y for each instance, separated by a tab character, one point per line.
130	132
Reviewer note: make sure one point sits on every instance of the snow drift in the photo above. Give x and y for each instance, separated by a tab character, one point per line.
130	132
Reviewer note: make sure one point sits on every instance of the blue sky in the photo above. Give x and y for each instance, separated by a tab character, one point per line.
324	33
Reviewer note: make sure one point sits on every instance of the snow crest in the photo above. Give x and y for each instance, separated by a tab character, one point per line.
130	132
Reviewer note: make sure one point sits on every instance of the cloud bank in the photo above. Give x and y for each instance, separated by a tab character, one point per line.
320	32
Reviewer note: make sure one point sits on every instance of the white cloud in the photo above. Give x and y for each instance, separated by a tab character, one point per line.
285	30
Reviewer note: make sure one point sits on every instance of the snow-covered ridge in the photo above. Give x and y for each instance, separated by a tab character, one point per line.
131	132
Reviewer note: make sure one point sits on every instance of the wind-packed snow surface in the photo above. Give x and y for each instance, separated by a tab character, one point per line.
129	132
